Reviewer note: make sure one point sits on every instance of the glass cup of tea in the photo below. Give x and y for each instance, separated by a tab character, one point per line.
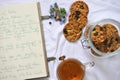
72	69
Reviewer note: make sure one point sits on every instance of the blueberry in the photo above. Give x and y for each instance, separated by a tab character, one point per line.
51	14
51	6
63	16
50	22
63	19
61	22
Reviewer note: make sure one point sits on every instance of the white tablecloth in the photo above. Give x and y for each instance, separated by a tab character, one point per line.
57	45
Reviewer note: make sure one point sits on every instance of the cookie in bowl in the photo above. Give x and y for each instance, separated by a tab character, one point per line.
102	38
98	34
105	38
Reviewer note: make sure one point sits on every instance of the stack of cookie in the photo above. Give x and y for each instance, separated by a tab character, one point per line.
106	38
77	21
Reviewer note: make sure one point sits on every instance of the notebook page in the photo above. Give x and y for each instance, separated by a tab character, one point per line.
21	44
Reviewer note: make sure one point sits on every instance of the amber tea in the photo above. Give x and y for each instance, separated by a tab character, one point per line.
70	69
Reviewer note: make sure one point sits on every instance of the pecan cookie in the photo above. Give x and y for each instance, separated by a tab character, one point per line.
79	6
72	32
78	18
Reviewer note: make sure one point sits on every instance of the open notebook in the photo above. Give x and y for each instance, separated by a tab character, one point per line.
22	50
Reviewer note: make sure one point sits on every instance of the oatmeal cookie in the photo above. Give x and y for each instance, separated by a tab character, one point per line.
72	32
102	47
79	6
113	42
110	29
106	38
98	34
113	38
78	18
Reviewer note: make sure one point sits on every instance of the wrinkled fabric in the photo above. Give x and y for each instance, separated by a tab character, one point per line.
57	45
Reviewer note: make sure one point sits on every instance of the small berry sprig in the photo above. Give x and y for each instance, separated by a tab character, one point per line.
59	14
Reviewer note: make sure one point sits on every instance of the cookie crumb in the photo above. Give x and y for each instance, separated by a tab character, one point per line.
62	57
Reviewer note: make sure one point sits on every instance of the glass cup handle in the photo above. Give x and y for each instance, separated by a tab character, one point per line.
88	65
84	43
